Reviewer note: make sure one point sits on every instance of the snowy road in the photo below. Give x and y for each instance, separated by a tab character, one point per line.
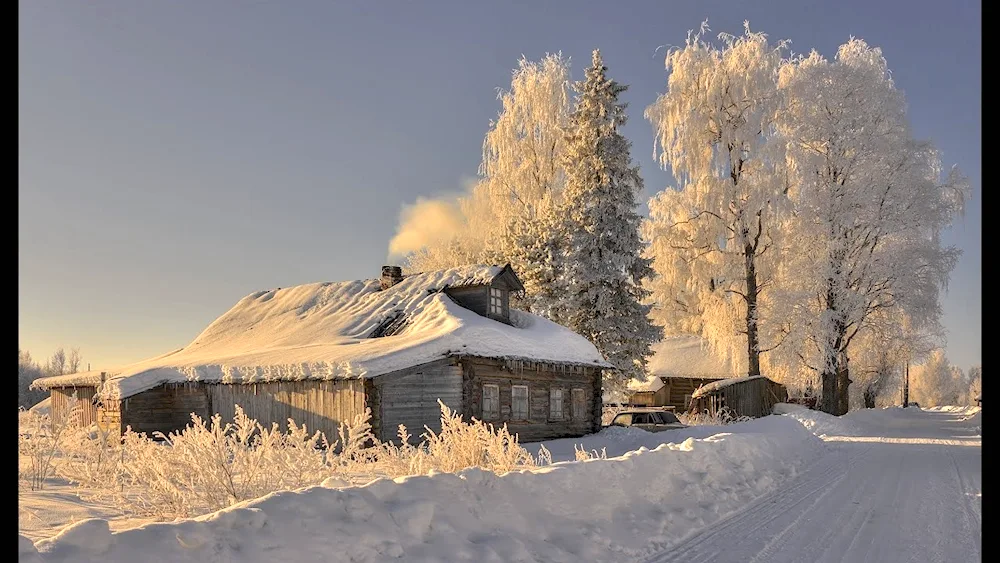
904	489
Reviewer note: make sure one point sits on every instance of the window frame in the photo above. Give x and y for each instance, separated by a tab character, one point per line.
494	413
516	413
554	393
494	301
577	411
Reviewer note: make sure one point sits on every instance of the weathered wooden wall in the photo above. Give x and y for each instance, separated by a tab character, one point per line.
410	397
474	298
677	391
539	378
644	399
754	398
477	298
166	408
320	405
63	399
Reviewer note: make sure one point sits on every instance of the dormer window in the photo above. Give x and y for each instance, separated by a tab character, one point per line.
496	301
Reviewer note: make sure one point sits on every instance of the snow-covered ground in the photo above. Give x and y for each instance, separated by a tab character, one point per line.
899	485
884	485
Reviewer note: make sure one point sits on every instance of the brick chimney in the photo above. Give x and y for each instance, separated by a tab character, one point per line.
391	275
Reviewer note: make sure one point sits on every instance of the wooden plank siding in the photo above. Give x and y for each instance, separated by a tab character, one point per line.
540	380
319	404
64	398
165	408
754	398
475	298
410	397
676	392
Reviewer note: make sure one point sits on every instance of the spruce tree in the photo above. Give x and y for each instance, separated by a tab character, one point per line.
602	268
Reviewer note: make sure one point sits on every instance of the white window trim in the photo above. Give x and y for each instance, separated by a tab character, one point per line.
553	393
495	301
494	413
516	414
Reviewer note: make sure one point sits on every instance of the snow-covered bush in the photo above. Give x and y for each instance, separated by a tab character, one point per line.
475	444
208	466
90	456
211	465
38	444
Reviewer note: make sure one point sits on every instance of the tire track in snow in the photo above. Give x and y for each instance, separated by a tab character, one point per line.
703	547
973	518
885	499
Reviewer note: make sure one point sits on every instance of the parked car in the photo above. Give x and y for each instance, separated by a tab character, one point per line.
649	420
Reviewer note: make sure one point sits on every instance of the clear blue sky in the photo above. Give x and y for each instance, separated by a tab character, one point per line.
176	156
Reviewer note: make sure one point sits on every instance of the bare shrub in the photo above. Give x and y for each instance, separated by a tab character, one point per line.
723	416
581	454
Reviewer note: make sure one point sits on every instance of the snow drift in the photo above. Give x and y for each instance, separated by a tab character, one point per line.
321	331
598	510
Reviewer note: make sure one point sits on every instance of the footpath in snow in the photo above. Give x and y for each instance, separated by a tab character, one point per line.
892	485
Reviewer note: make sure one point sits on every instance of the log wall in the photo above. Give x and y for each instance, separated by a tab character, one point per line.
540	379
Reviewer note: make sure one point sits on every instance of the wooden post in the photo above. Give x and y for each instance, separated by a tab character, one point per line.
906	386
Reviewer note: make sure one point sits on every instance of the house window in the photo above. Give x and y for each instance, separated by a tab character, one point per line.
496	301
491	402
579	404
555	404
519	402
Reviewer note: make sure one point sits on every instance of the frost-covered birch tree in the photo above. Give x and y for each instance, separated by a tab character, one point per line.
938	383
506	216
881	354
600	292
975	384
715	241
870	206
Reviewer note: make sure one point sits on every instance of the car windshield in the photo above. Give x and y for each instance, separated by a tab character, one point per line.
623	419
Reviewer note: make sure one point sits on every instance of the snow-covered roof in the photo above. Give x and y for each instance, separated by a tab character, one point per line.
688	356
651	384
716	385
321	331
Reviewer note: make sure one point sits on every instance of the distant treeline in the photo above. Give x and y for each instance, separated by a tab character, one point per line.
29	370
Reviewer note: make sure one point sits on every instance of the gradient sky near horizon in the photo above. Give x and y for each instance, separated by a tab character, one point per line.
177	156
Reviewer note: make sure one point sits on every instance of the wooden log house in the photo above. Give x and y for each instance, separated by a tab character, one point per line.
322	354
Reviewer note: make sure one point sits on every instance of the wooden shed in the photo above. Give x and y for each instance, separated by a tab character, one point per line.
324	353
741	396
680	364
665	391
